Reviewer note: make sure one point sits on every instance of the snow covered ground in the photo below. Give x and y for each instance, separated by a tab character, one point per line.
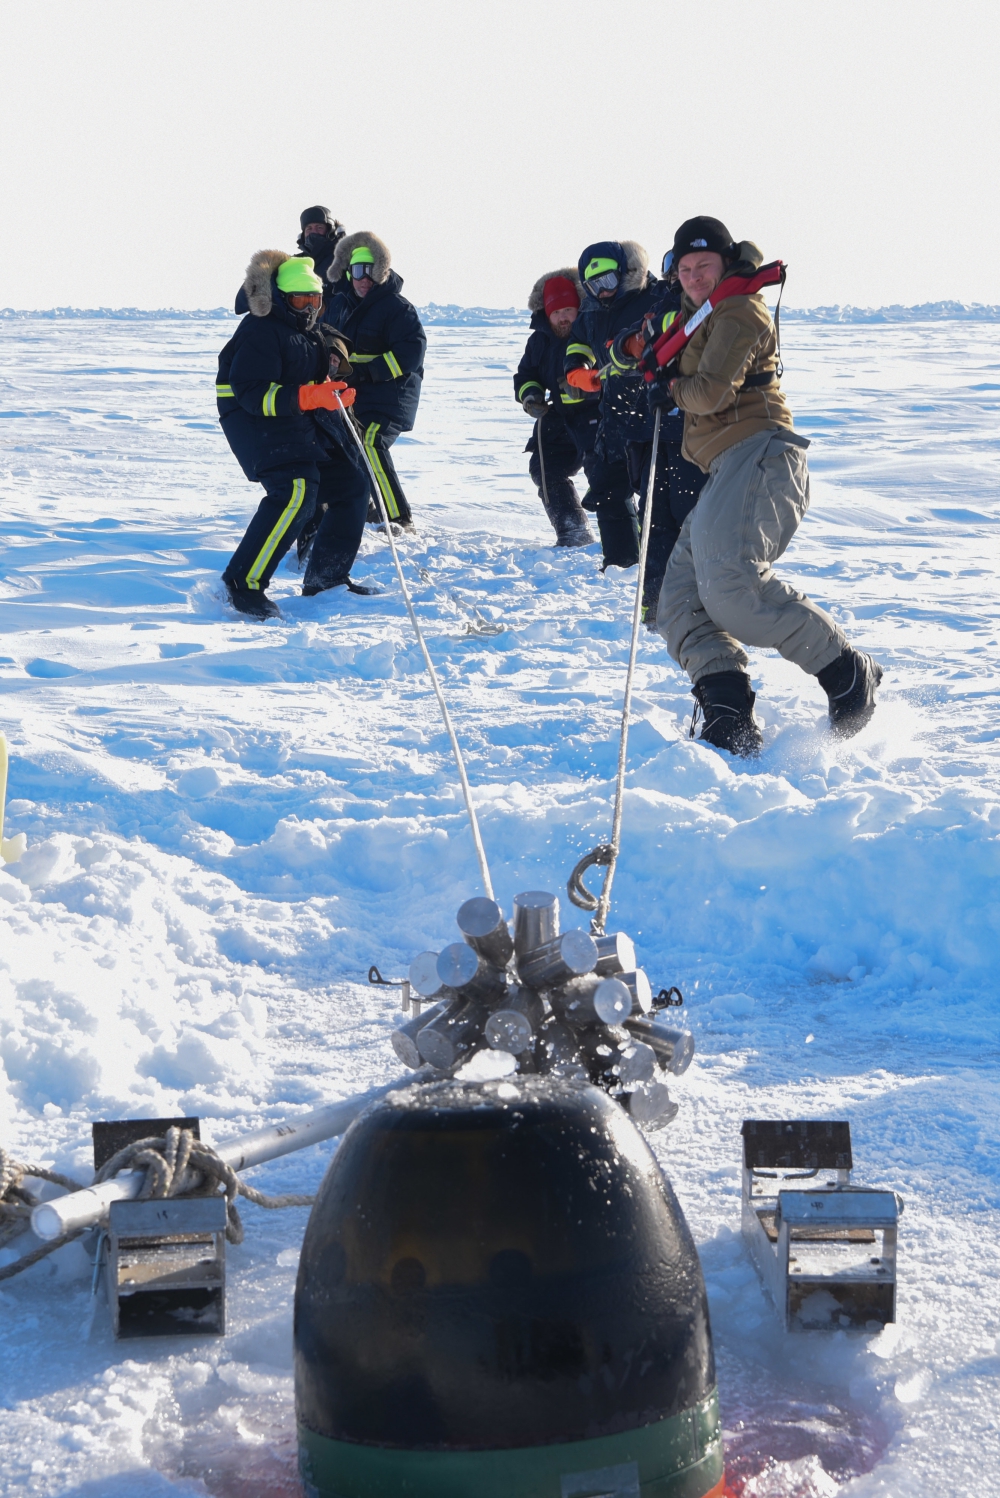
228	823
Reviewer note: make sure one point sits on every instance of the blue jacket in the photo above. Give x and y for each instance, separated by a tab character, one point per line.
389	347
625	414
542	366
260	370
664	311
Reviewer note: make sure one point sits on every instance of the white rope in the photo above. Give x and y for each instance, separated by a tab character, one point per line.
435	683
603	904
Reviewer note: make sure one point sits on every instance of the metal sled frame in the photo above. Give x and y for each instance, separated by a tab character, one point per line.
825	1251
167	1267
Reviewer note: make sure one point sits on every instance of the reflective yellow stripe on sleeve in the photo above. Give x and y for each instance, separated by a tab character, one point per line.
581	348
527	386
268	402
224	392
571	400
394	366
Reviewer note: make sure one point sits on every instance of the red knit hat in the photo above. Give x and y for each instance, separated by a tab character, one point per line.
560	292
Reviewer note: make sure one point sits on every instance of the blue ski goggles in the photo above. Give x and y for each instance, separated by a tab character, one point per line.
606	282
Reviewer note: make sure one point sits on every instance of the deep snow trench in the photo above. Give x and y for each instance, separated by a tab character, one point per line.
228	823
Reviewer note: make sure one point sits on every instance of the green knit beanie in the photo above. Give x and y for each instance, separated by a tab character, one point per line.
297	276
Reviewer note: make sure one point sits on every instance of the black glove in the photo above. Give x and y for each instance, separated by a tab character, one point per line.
534	404
658	392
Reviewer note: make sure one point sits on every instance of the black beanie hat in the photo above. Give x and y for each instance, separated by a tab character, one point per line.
315	215
703	233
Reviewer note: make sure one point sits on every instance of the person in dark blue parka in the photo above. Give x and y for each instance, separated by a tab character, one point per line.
678	483
319	236
618	289
279	412
388	359
565	429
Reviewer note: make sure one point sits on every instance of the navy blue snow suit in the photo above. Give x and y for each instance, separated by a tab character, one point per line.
625	415
388	364
678	483
568	429
303	459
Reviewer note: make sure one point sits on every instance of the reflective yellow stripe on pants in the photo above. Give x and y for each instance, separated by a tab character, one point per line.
273	541
391	507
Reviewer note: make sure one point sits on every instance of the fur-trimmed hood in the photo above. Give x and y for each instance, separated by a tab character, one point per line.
536	299
260	273
627	252
351	242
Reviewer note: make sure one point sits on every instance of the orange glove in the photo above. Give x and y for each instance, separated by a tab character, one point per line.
314	397
634	346
584	379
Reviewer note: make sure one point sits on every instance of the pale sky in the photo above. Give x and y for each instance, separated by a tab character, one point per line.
150	146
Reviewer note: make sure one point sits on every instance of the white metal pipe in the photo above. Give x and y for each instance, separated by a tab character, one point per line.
82	1209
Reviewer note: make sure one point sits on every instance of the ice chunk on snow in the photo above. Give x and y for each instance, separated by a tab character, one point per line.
487	1066
912	1389
834	961
805	1478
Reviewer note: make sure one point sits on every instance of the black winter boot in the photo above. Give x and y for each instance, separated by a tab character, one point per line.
309	590
252	601
850	683
726	699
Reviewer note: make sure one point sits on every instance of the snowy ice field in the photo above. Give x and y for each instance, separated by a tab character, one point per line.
228	823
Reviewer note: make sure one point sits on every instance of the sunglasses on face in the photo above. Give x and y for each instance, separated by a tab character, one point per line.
300	300
607	282
361	270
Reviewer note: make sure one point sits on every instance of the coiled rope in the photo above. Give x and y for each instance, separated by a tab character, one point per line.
431	672
17	1204
176	1164
606	854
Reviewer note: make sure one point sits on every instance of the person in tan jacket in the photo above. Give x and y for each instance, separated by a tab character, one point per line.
720	591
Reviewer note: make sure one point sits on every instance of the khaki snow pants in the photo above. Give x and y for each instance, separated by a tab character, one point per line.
719	587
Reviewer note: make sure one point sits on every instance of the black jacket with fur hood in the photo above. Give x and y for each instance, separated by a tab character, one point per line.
541	368
389	342
625	414
261	368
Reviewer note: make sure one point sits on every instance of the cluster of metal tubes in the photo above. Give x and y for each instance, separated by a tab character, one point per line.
558	1002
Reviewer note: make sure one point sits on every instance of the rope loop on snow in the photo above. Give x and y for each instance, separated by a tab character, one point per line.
16	1201
17	1204
178	1164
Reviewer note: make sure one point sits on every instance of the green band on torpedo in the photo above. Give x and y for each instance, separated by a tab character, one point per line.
680	1457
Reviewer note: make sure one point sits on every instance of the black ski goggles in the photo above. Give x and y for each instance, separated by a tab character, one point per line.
606	282
361	269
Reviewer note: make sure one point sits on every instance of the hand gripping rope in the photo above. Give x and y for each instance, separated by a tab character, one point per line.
605	854
435	683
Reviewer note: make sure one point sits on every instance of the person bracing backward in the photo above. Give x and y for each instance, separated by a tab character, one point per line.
319	235
618	289
720	591
368	307
676	483
279	410
565	418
